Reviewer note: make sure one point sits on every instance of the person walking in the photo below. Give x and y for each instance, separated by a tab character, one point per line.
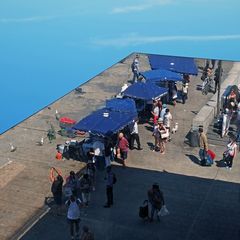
156	135
231	152
134	135
91	171
72	182
110	180
163	131
226	118
184	92
85	187
203	147
155	112
122	148
91	168
135	68
73	216
156	199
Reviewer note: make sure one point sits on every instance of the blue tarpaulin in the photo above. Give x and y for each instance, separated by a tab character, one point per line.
161	75
121	105
145	91
182	65
105	122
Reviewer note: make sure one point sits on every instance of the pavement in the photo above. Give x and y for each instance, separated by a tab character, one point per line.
204	202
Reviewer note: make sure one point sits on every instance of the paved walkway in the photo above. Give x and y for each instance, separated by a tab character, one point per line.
204	202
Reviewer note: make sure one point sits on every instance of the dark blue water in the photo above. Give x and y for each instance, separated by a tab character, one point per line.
47	48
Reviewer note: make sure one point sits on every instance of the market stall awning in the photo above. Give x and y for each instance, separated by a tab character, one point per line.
182	65
105	122
145	91
161	75
121	105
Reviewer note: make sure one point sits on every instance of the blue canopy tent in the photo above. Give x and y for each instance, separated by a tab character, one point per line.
161	75
105	122
182	65
121	105
145	91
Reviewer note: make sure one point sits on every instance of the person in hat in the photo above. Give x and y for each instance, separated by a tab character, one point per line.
167	120
156	199
162	136
163	111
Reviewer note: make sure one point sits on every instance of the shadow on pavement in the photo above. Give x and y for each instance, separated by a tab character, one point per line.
193	158
199	209
220	163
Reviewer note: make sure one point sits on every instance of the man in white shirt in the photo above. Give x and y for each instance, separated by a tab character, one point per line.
134	135
99	148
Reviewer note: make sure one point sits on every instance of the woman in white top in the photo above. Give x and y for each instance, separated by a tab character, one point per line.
231	152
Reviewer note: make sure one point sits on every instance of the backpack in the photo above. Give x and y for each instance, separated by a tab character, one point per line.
114	178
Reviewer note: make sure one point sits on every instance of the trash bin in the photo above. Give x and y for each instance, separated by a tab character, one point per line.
194	137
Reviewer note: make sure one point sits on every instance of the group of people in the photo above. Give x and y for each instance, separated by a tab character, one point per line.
77	196
171	85
205	154
80	189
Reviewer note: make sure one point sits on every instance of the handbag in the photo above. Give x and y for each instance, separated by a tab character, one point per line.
163	211
211	153
143	210
164	134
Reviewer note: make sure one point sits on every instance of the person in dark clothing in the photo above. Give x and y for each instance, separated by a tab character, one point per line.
56	189
72	182
156	199
109	187
108	152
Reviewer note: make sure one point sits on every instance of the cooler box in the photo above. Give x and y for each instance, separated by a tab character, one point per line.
66	122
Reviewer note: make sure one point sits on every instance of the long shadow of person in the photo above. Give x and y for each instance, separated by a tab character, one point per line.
220	163
193	158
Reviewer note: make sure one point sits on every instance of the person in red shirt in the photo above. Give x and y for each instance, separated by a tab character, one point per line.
122	148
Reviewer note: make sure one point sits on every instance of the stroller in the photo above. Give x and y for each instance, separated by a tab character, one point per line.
143	210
